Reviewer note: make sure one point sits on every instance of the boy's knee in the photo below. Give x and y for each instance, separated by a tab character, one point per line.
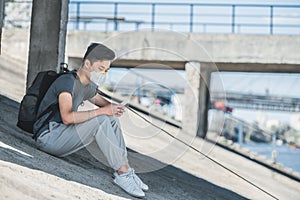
114	120
103	119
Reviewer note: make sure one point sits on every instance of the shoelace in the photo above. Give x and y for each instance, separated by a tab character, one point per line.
131	171
128	175
130	181
136	178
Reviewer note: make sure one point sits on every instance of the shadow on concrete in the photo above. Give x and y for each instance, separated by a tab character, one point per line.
166	183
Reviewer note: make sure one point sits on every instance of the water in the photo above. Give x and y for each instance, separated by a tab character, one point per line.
289	157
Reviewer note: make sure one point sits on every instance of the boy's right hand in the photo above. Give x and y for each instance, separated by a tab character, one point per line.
113	109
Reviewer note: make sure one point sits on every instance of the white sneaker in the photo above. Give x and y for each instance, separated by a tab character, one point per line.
137	180
128	184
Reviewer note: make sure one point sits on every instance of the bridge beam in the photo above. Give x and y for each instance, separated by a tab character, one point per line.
259	67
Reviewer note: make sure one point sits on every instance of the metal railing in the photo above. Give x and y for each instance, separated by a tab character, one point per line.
181	17
185	17
257	102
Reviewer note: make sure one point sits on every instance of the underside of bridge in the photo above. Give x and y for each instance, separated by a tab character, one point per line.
47	48
196	122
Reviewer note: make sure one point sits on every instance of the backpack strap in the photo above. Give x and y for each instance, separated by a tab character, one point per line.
53	109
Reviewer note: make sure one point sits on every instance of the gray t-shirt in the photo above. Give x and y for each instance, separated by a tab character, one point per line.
65	83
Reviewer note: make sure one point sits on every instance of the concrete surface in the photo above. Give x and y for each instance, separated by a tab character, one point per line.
232	48
180	173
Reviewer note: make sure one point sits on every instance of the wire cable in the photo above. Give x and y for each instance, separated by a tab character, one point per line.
193	148
208	157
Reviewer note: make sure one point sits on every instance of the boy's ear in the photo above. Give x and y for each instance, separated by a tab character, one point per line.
87	63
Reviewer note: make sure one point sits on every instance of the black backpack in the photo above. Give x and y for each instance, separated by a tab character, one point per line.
34	95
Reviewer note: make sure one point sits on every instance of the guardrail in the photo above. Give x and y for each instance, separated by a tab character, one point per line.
185	17
181	17
258	102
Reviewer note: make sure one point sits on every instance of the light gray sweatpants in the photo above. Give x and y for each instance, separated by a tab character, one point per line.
62	140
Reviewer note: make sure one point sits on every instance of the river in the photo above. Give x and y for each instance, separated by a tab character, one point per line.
289	157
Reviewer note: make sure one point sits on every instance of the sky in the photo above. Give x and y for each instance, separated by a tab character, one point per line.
277	84
217	19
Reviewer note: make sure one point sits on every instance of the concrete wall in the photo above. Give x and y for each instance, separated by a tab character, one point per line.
226	48
15	44
264	49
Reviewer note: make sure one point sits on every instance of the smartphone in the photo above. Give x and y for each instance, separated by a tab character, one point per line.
124	103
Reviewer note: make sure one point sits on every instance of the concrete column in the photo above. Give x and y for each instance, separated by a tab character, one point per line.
196	100
190	118
63	31
47	36
2	5
204	99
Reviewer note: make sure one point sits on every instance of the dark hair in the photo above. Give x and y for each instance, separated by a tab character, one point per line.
98	51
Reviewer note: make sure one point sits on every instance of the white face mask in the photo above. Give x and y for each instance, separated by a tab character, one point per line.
98	78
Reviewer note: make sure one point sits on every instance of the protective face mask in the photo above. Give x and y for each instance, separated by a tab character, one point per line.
98	78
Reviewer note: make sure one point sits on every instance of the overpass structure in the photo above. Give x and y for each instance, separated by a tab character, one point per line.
257	102
198	54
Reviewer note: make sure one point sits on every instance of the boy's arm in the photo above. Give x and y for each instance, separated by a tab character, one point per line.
98	100
70	117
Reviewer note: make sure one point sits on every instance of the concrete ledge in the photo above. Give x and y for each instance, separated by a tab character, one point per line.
218	48
262	160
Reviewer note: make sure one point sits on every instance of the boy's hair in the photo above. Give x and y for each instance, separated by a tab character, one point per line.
98	51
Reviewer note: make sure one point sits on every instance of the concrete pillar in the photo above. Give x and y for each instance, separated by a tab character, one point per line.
204	98
63	31
196	99
47	36
190	118
240	133
2	5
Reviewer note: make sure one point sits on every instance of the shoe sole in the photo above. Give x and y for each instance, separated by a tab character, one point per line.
141	197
